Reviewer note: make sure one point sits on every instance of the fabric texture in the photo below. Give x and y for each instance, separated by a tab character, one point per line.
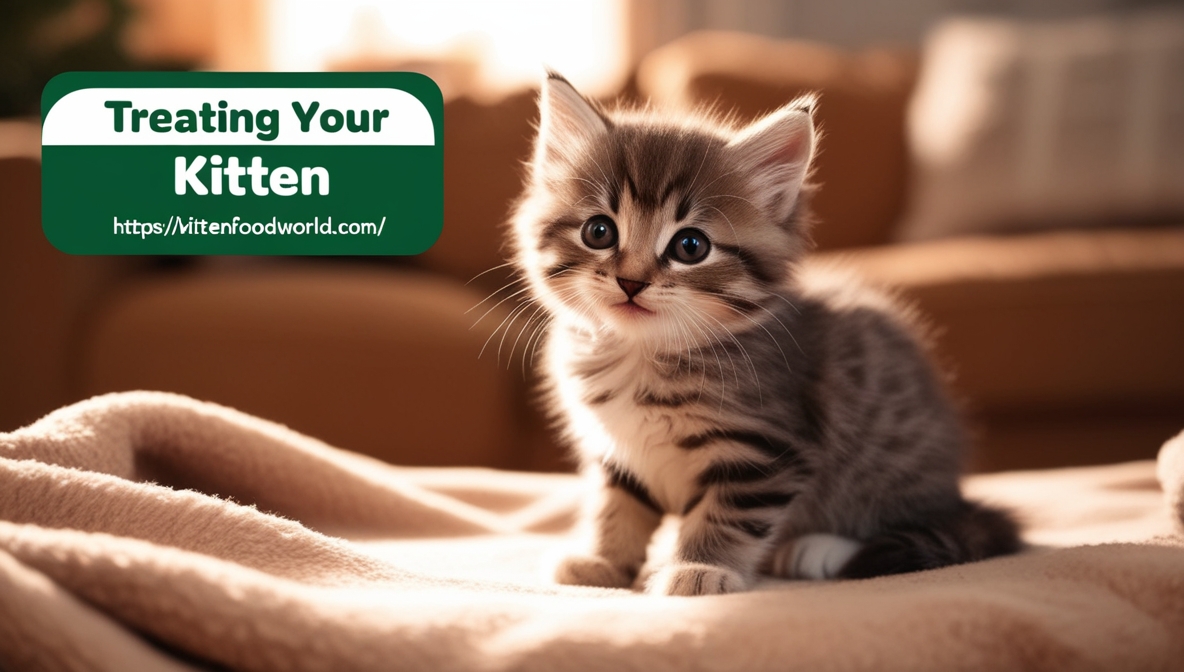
1024	125
151	531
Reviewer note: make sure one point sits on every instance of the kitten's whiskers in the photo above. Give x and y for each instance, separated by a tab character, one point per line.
515	314
735	235
495	292
744	351
740	198
787	302
526	327
769	333
488	270
757	304
509	318
718	363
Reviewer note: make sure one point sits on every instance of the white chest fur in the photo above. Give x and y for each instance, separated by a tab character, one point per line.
640	438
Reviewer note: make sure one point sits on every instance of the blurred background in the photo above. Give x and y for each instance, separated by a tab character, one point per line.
1016	169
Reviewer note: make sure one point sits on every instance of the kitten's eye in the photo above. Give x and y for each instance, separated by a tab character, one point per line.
599	232
690	246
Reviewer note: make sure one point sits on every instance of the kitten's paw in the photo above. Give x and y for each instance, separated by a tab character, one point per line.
691	579
813	556
591	570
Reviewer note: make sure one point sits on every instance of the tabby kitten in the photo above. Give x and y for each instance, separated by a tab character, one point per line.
791	419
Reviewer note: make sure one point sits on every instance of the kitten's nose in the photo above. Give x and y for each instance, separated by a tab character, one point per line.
632	287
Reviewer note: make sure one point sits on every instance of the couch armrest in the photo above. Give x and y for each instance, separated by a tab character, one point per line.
44	293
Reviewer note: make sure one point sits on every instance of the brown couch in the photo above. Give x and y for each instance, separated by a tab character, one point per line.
1064	345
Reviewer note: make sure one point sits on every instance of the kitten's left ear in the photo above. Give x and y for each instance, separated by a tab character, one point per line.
566	121
776	151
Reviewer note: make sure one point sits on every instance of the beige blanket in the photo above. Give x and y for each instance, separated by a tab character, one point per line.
151	531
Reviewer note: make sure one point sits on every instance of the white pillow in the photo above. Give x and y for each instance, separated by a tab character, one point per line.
1016	126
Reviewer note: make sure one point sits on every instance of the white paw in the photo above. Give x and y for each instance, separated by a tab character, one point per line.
591	570
691	579
813	556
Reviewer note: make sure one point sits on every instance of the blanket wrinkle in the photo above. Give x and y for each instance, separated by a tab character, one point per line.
168	438
1170	472
48	628
146	530
186	520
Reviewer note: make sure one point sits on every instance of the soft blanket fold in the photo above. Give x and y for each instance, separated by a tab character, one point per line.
151	531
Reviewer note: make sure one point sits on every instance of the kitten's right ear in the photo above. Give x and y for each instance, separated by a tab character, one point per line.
566	121
776	151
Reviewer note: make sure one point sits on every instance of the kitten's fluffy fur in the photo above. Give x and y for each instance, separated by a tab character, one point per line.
792	421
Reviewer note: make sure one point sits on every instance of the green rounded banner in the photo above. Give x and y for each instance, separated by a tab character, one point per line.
242	163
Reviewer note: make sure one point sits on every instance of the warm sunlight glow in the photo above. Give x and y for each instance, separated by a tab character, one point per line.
509	42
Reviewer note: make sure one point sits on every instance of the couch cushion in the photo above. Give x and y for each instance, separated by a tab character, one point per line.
383	363
1052	332
863	164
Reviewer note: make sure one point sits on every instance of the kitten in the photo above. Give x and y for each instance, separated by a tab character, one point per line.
792	420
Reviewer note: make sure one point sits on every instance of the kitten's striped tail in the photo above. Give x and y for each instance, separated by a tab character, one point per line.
970	532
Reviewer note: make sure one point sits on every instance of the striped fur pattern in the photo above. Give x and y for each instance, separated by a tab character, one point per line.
791	419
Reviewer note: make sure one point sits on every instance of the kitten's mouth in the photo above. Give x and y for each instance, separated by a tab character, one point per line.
631	308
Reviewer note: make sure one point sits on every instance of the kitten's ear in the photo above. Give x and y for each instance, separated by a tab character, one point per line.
566	120
776	151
